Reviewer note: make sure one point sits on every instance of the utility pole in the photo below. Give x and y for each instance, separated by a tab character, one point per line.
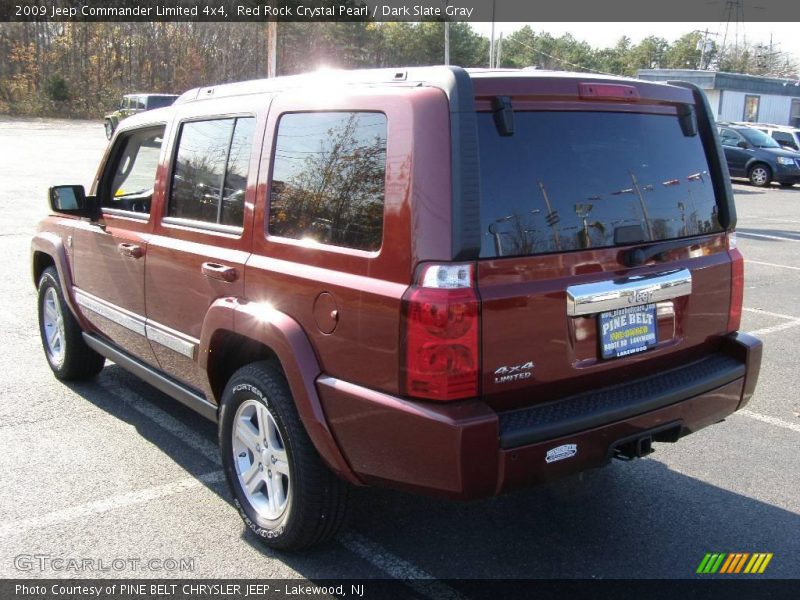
499	54
272	52
447	42
446	34
491	40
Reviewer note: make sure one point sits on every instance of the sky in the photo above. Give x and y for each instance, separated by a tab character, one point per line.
785	36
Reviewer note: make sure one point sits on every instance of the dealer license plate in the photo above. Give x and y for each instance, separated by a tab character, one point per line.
627	330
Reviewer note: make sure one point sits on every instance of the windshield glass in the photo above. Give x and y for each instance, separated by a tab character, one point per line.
567	180
758	138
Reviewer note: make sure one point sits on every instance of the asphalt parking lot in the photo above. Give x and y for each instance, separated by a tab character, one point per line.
112	469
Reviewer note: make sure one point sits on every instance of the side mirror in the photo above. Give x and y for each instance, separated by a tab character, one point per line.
72	200
743	144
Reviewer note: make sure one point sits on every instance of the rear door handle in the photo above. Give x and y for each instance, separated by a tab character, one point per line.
130	250
218	271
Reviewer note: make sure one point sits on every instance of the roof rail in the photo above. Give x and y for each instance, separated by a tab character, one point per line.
437	76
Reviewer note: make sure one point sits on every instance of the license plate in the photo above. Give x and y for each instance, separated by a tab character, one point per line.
627	330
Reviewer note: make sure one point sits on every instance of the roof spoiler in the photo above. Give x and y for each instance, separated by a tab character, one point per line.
717	164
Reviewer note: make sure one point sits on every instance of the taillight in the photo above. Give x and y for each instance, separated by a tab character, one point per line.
737	284
441	322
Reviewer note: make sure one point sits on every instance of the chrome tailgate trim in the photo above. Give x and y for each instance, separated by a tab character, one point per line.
602	296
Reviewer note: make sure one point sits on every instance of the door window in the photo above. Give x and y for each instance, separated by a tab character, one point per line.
210	176
129	182
729	137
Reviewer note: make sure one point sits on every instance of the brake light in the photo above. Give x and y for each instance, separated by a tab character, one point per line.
608	91
441	321
737	284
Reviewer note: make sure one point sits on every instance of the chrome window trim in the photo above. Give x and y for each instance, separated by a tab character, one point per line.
602	296
126	214
233	230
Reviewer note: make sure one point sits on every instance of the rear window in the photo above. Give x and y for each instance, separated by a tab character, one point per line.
159	101
567	180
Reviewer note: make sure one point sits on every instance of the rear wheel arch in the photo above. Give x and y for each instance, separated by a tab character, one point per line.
259	335
228	352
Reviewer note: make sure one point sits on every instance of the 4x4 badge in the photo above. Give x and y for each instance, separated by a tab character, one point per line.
506	374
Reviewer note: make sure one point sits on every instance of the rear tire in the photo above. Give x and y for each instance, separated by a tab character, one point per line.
760	175
285	494
62	339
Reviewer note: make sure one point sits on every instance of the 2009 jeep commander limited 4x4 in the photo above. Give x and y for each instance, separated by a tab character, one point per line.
446	281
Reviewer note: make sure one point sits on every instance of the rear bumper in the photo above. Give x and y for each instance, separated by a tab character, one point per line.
466	450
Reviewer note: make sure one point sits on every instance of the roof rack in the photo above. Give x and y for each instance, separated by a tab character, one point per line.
439	76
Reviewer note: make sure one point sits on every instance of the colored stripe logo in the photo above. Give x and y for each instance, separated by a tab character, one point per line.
731	563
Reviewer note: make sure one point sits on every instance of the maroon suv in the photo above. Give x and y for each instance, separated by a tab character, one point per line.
446	281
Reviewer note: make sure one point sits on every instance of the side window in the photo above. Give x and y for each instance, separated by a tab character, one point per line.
328	178
210	176
784	138
728	137
139	102
128	184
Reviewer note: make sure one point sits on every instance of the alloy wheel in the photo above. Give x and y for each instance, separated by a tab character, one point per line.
261	461
53	324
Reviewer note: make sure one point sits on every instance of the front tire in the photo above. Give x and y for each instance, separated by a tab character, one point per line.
67	353
760	175
285	494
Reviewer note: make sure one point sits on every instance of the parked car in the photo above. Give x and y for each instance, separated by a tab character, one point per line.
444	281
787	137
132	104
753	154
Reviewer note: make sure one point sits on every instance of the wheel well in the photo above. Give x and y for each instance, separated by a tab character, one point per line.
761	164
41	261
229	352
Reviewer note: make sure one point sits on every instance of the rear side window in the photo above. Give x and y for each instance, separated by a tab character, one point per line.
328	178
784	138
210	176
567	180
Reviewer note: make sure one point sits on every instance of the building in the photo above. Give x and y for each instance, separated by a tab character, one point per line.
736	97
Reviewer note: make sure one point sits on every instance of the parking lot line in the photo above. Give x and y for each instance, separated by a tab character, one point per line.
774	328
754	218
767	264
373	553
792	321
110	503
394	566
764	235
147	409
771	420
761	311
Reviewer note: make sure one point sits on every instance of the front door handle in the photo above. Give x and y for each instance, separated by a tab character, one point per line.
218	271
130	250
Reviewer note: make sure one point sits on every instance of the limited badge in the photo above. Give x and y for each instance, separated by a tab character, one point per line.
562	452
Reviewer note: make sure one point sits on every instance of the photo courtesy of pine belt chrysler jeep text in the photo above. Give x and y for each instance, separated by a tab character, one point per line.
453	282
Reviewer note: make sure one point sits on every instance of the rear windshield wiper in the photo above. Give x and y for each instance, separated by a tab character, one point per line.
638	256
